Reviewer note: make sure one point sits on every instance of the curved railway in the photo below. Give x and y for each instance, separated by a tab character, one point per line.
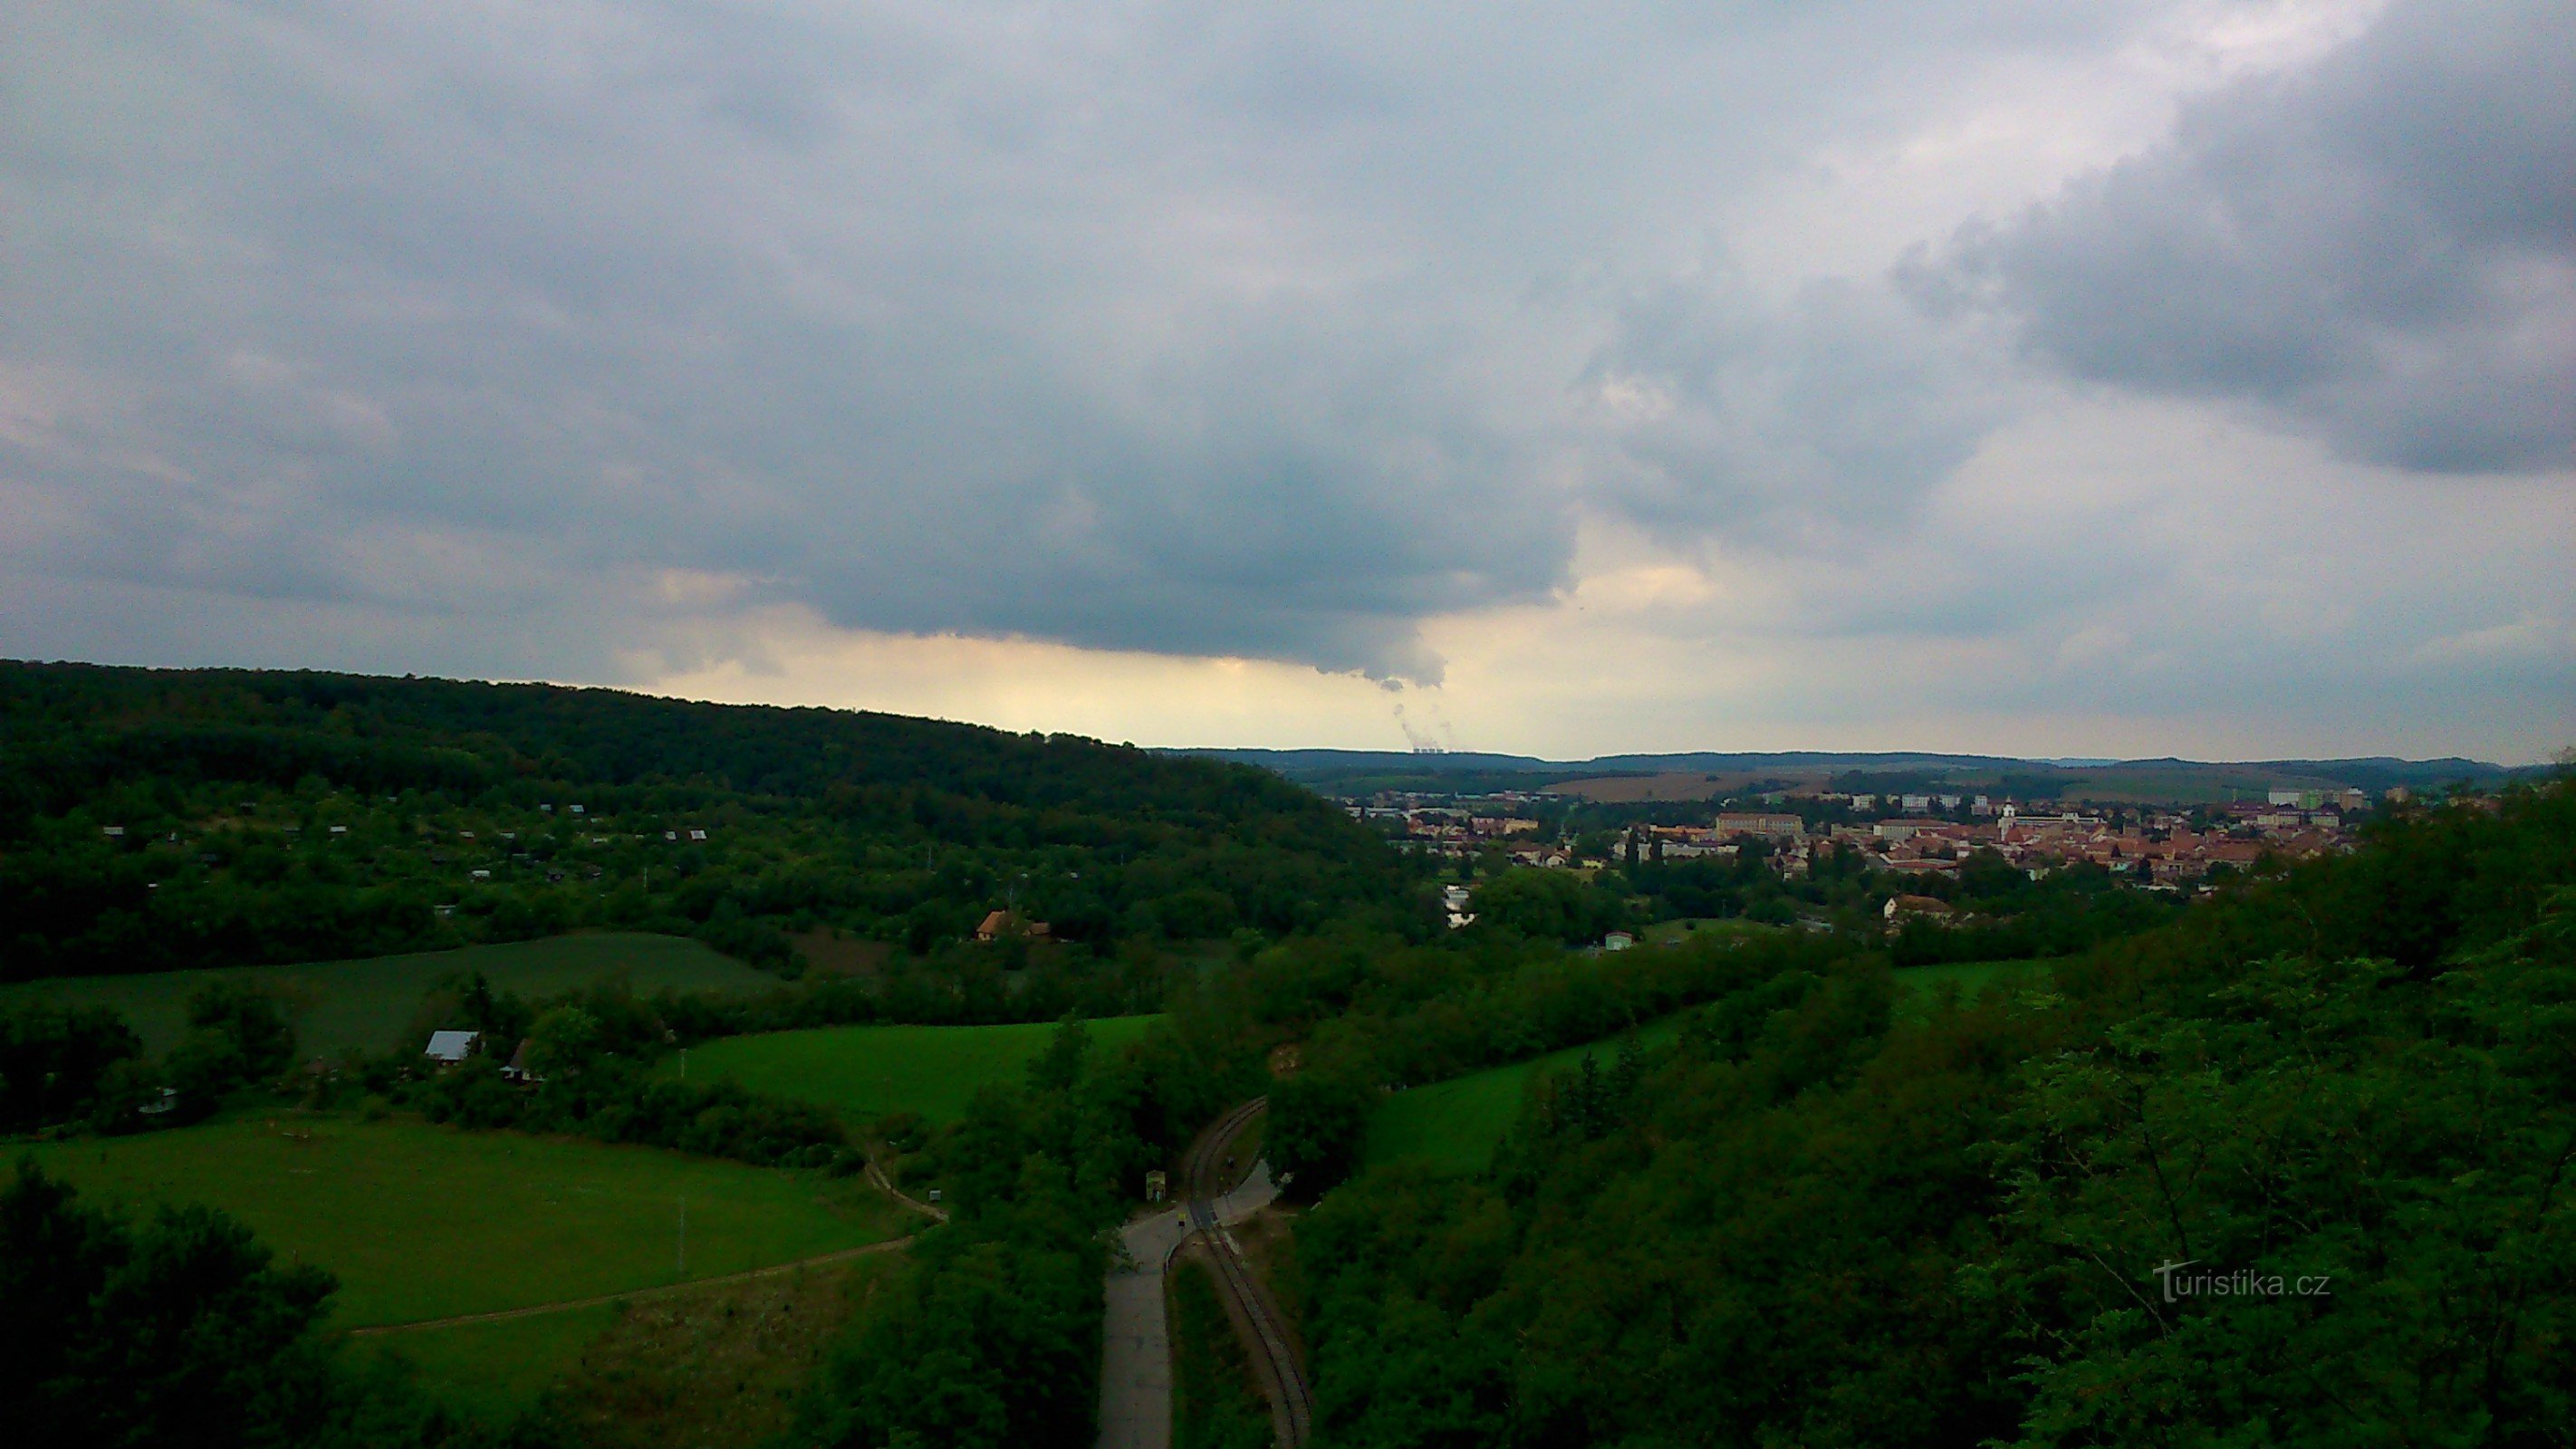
1292	1402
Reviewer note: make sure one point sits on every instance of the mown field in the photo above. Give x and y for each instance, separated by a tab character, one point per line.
1454	1126
863	1072
717	1365
369	1004
424	1222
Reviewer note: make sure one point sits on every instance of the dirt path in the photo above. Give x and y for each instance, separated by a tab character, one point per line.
667	1290
886	1185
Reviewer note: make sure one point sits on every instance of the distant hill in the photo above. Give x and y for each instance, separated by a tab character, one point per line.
2144	781
167	819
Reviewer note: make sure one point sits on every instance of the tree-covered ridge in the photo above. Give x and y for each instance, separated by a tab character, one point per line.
2335	1110
152	819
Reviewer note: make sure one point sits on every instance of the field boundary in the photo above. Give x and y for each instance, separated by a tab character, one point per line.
667	1290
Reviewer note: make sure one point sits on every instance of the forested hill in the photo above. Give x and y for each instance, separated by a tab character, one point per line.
152	819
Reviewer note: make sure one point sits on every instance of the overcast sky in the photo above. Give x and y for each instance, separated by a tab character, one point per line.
2006	375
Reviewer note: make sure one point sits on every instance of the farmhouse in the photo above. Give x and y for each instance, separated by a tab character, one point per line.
1000	924
1928	907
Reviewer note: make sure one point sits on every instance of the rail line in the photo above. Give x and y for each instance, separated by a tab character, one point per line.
1292	1402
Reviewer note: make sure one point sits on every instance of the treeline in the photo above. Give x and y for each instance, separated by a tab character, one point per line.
158	819
2292	1169
2006	915
588	1071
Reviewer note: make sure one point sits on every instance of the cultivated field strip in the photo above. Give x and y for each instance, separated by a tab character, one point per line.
1292	1403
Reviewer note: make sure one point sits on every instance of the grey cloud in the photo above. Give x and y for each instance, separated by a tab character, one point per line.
2380	249
1834	409
800	300
1166	329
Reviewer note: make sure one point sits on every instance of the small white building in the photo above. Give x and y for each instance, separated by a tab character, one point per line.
447	1048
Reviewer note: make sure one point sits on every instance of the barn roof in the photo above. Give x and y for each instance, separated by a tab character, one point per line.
451	1046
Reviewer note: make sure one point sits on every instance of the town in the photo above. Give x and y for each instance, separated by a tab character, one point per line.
1907	834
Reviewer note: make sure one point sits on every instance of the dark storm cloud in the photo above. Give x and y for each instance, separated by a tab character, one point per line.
1268	330
2380	248
834	304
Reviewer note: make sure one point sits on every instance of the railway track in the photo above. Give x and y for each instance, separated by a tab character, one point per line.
1292	1403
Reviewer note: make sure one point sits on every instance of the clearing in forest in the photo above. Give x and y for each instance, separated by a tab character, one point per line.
863	1072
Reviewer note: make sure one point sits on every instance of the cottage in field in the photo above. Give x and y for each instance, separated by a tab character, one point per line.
1001	925
517	1070
1930	908
447	1048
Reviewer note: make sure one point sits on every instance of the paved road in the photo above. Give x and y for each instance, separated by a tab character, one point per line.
1136	1344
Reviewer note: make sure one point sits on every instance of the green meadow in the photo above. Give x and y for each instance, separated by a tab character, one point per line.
1454	1126
370	1003
424	1222
864	1072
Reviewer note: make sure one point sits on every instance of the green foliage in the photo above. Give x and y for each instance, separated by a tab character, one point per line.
60	1064
990	1337
1214	1402
182	1330
2382	1160
562	1041
1317	1122
422	1222
268	818
2010	917
869	1072
991	1333
374	1004
1551	905
1060	1065
1814	1219
613	1100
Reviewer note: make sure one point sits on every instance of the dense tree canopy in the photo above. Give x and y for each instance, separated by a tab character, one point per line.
156	819
2344	1097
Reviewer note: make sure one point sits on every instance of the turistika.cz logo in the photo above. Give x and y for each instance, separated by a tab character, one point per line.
2243	1283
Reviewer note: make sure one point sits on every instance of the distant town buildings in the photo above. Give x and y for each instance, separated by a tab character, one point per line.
1903	833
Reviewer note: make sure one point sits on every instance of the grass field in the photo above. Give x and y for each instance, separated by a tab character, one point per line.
867	1071
717	1366
496	1370
1454	1126
370	1003
425	1222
